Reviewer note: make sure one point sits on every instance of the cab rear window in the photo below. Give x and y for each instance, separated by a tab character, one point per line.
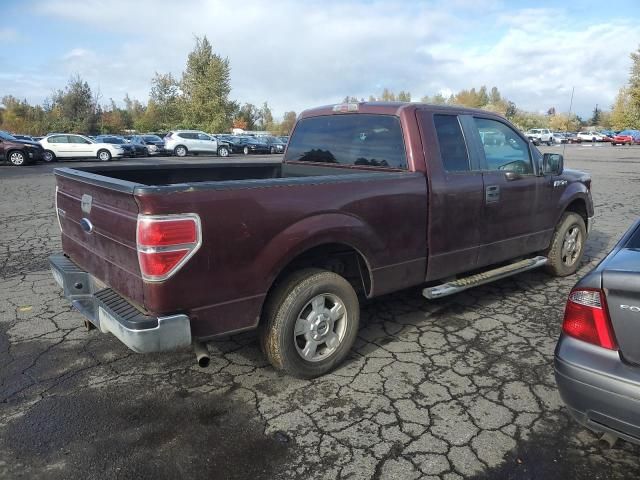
349	139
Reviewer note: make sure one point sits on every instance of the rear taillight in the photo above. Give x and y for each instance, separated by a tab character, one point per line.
586	318
165	243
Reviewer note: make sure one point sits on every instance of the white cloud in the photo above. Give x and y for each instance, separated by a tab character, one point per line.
301	54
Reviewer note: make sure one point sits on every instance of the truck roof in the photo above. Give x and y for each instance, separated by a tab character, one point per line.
388	108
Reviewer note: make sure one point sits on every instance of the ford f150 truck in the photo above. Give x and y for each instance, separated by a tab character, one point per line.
370	198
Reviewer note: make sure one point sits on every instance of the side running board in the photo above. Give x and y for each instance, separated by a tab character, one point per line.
461	284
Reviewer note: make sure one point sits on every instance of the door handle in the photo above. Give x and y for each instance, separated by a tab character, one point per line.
510	176
492	194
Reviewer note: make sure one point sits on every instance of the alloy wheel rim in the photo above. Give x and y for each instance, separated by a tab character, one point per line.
320	328
104	156
17	158
571	246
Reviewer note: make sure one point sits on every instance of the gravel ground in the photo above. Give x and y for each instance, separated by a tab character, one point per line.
460	387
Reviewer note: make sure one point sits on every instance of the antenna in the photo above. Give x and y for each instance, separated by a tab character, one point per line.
569	117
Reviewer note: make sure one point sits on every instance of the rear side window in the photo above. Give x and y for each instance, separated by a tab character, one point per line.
350	139
58	139
453	149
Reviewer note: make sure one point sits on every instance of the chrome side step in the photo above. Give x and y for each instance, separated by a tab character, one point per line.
461	284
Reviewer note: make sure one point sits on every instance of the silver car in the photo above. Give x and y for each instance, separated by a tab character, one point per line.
183	142
597	359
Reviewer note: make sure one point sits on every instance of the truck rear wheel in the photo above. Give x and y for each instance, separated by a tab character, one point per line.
310	323
567	245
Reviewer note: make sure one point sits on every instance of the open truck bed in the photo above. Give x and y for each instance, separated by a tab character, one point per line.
253	219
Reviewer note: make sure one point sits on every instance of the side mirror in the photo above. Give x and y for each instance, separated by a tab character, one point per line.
552	164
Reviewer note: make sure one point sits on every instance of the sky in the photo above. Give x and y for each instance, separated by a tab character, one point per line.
297	54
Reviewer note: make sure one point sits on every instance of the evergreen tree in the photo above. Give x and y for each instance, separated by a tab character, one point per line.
206	87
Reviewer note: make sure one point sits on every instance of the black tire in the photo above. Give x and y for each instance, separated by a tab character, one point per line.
549	143
245	150
223	152
289	300
18	158
180	151
561	263
104	155
48	156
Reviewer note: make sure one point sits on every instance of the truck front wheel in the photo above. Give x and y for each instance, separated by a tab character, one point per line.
567	245
310	323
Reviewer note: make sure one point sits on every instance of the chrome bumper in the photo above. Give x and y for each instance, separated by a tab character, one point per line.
590	222
109	312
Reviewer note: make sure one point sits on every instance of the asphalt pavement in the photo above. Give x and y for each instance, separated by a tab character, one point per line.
460	387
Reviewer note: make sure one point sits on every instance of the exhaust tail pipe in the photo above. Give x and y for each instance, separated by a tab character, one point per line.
202	354
608	440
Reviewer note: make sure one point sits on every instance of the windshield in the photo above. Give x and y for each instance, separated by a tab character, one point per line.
4	135
152	138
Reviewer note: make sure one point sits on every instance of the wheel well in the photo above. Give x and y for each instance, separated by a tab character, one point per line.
579	207
336	257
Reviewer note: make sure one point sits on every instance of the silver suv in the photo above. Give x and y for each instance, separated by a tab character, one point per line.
183	142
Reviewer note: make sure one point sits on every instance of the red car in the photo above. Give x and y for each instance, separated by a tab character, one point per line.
626	137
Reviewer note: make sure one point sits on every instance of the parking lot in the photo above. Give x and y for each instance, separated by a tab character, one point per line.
459	387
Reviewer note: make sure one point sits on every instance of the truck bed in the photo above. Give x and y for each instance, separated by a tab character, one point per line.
256	218
219	175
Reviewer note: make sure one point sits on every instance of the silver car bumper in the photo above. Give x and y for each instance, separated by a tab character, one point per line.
600	390
111	313
590	222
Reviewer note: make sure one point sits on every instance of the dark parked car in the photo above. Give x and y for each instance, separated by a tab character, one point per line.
24	137
275	144
18	152
130	149
153	144
253	145
597	359
370	198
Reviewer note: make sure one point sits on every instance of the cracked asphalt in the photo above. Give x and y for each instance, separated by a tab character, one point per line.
459	387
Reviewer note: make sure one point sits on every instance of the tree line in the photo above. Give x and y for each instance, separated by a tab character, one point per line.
200	99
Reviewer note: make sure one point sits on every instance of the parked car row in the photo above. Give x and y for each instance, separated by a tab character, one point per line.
23	149
544	135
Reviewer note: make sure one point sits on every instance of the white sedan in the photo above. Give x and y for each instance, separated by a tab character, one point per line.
63	145
590	137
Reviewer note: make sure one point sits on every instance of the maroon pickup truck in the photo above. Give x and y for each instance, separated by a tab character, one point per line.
370	198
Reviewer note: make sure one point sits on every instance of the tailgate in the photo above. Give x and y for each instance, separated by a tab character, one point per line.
621	283
98	223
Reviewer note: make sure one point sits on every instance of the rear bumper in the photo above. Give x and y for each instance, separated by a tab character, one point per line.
600	390
109	312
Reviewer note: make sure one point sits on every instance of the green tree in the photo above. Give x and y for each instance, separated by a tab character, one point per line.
265	117
494	97
387	96
163	108
247	117
595	118
74	109
623	113
404	96
206	87
288	121
634	80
